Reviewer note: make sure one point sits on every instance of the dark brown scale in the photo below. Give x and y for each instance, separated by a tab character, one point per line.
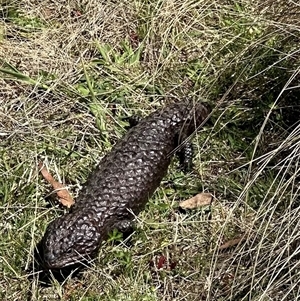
120	186
185	156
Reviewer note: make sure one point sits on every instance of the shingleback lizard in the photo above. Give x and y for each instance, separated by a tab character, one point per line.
120	186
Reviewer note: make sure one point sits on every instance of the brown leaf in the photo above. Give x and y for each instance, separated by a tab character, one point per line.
199	200
61	191
161	261
231	243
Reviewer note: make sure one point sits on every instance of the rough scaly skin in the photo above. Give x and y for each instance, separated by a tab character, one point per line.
120	186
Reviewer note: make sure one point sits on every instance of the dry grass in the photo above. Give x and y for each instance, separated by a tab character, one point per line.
70	70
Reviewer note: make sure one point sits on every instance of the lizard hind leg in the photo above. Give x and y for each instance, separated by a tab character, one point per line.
132	120
185	156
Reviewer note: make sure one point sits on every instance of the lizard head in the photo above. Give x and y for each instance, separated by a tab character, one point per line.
70	240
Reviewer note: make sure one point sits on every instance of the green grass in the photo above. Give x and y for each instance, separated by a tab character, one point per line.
70	73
